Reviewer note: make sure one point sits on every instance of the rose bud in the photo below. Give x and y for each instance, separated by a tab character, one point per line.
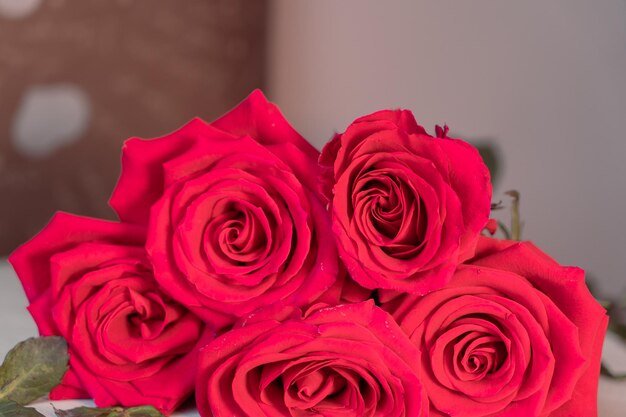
235	221
406	207
350	360
512	334
90	281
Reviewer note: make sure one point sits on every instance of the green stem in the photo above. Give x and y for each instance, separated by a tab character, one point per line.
516	228
505	230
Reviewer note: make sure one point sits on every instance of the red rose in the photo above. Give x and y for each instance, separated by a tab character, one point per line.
349	360
513	334
344	291
406	207
90	281
235	221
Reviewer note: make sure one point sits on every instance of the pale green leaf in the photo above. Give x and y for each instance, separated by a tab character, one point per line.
11	409
143	411
32	368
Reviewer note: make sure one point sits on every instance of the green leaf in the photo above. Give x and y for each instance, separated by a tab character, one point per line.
604	370
516	225
490	152
143	411
11	409
618	328
32	368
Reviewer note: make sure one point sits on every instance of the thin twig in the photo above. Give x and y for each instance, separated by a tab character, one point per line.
516	229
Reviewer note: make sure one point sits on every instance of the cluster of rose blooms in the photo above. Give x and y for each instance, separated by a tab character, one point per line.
272	280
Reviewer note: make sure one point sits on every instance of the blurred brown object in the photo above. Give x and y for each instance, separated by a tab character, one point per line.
138	67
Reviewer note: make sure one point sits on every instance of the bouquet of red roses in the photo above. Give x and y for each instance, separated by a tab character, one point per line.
272	280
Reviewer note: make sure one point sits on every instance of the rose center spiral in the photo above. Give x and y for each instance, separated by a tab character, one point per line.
390	212
146	316
239	235
478	354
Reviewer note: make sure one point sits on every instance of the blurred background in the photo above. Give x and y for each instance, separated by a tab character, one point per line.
77	77
541	85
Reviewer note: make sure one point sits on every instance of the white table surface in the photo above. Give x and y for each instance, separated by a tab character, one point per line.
17	325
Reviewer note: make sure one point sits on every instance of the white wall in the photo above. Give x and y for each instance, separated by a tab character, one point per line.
546	79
